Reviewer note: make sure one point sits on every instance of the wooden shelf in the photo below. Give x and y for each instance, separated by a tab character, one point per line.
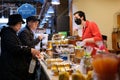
116	42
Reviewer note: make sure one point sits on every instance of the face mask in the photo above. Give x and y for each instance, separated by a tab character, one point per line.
78	21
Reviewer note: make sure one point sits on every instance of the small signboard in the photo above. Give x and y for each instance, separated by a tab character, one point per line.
26	10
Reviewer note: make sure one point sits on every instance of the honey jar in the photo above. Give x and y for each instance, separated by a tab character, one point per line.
79	53
49	45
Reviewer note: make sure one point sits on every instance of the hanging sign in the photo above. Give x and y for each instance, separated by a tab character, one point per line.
26	10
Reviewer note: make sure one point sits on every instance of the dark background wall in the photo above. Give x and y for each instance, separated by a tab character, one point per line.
62	16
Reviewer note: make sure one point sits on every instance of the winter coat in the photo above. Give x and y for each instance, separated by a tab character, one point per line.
14	57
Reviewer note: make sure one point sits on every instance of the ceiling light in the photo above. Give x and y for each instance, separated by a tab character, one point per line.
50	10
55	2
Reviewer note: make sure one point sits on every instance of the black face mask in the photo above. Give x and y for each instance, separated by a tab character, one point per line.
78	21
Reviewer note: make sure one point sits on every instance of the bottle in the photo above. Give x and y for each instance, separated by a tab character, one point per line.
32	66
82	66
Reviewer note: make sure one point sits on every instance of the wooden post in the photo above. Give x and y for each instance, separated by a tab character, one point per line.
71	17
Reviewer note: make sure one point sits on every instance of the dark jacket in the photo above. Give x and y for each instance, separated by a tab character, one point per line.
27	37
13	59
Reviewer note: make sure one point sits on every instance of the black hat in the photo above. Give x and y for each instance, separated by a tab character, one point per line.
32	18
15	18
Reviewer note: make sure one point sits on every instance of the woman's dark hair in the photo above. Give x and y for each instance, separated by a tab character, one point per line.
81	14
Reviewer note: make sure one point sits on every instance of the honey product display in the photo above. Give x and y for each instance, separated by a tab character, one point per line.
67	65
72	57
49	45
72	42
54	67
89	75
70	71
68	68
63	76
78	76
61	67
57	42
49	52
74	63
87	63
57	37
51	61
79	53
64	42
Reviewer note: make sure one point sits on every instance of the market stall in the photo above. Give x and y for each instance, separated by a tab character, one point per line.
66	61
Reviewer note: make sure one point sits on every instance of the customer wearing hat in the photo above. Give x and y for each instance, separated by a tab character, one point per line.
26	36
13	59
